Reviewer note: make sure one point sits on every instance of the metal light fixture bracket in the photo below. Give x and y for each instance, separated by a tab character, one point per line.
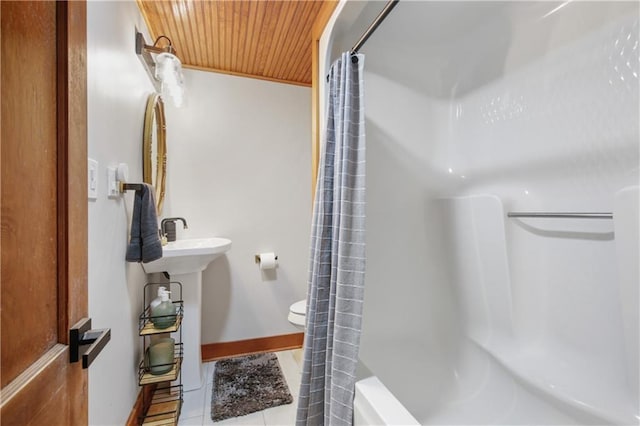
144	50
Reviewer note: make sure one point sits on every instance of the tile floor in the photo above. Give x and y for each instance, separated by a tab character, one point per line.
196	409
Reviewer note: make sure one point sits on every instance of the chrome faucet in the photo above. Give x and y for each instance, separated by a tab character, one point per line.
168	227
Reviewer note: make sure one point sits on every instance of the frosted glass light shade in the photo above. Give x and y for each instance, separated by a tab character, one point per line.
169	73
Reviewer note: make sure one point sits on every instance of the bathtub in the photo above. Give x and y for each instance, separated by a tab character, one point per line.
374	404
486	390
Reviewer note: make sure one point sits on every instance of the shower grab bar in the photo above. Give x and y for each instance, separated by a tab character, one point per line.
563	215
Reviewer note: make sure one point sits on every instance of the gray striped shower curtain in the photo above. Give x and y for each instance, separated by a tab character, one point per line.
337	260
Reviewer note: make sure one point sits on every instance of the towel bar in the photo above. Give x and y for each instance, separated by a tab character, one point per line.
130	186
563	215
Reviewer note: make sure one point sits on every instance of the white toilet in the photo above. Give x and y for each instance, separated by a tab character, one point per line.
298	313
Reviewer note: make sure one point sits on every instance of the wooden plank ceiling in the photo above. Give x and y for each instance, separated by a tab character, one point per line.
256	38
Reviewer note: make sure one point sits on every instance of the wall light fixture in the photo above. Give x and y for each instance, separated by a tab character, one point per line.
163	66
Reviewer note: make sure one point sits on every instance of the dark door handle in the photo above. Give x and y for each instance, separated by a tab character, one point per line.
86	342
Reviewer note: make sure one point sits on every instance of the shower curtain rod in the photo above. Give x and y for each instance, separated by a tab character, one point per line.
374	25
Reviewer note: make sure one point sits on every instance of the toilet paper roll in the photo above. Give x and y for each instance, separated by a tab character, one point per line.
268	261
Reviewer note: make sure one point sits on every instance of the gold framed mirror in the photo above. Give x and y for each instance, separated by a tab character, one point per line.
154	148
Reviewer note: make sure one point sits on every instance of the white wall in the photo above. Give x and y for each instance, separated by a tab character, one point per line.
117	90
239	166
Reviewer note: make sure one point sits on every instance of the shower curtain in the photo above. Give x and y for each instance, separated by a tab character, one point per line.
337	260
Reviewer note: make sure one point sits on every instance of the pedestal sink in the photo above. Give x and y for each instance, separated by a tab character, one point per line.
184	261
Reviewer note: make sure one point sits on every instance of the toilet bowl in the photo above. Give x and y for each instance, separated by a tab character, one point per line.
298	313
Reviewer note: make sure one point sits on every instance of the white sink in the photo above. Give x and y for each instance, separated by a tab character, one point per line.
188	256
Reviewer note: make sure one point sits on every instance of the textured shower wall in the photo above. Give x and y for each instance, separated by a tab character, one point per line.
475	109
558	131
409	311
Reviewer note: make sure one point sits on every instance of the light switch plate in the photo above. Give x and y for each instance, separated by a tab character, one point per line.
112	183
92	175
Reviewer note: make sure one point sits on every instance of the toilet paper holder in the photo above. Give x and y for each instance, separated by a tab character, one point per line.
257	258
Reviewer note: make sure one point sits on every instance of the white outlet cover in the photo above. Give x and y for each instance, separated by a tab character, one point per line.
92	176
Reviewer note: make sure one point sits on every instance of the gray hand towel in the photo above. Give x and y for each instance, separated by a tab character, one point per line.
144	244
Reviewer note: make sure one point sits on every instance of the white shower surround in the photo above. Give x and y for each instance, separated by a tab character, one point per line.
475	109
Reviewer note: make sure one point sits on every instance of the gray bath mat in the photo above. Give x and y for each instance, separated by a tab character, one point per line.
247	384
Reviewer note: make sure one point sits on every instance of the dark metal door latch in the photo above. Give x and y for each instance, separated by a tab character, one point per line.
86	342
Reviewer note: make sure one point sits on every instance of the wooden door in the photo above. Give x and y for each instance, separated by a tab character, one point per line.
44	211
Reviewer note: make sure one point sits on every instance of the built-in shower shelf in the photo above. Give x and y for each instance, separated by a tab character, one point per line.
570	378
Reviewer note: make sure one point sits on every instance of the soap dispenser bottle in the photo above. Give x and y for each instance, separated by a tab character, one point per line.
163	314
155	302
